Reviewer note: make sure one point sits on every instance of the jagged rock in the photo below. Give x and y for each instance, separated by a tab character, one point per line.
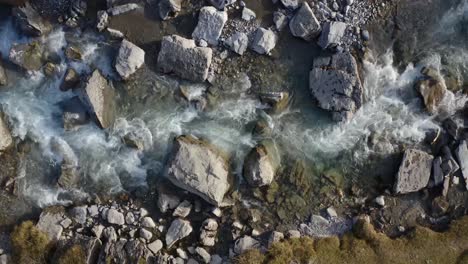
122	9
115	217
248	14
432	89
264	41
183	209
123	251
97	230
182	57
28	56
304	24
169	8
49	223
210	25
203	254
332	34
290	4
6	140
89	247
414	172
336	85
280	20
261	164
199	168
155	246
129	60
238	42
3	76
100	96
462	156
74	53
277	101
178	230
70	80
50	69
102	20
245	243
30	21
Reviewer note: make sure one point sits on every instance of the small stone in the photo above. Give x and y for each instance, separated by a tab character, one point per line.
66	223
129	59
97	230
238	42
115	217
331	212
148	222
122	9
167	201
155	246
181	253
216	259
178	230
183	210
130	218
143	212
280	20
293	234
74	53
147	235
93	211
248	14
380	200
204	255
210	25
110	234
264	41
275	237
365	35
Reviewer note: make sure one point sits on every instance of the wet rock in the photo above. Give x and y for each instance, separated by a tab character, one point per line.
210	25
100	96
49	223
264	41
6	140
245	243
69	176
3	76
129	60
290	4
89	248
115	34
74	53
182	57
462	156
74	113
155	246
280	20
248	14
122	9
102	20
178	230
432	89
261	164
50	69
70	80
414	172
199	168
331	34
238	42
183	210
115	217
304	24
336	85
27	56
277	101
169	8
30	21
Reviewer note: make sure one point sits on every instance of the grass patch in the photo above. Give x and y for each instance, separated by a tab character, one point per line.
30	245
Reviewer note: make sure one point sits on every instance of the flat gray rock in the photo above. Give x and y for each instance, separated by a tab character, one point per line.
414	172
332	34
178	230
129	59
210	25
182	57
199	168
100	96
115	217
238	42
304	24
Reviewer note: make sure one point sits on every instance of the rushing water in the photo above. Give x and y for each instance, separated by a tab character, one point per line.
392	110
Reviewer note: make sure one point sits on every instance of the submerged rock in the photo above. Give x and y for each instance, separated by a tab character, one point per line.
178	230
331	34
199	168
304	24
3	76
129	60
70	80
6	140
432	89
30	21
169	8
182	57
28	56
261	164
336	85
100	96
210	25
264	41
414	172
462	156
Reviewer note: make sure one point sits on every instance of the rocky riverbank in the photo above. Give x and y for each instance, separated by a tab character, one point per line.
177	131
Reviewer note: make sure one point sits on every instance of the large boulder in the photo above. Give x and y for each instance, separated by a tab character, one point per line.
169	8
199	168
28	56
178	230
6	140
332	34
335	84
210	25
261	164
49	222
30	21
264	41
414	172
3	76
182	57
432	89
304	24
100	96
129	60
462	156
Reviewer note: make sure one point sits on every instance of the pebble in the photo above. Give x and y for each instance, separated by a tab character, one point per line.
155	246
147	235
380	200
148	222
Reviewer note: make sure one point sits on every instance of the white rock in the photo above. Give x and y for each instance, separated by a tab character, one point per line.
293	234
97	231
181	253
155	246
304	24
130	218
121	9
148	222
217	212
204	255
178	230
332	34
332	212
183	210
380	200
248	14
115	217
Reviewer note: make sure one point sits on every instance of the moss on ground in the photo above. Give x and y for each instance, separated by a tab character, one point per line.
73	255
365	245
30	245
